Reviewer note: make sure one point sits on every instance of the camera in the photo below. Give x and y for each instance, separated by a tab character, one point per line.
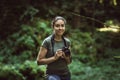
66	50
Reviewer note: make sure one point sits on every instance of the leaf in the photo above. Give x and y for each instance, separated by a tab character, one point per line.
115	2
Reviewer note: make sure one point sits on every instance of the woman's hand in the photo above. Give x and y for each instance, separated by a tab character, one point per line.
58	54
67	58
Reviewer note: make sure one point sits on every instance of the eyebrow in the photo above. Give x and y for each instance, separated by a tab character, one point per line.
61	23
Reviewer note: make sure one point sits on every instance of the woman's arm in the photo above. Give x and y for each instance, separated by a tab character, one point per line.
41	60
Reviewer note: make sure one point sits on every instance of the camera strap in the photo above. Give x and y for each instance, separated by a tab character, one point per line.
52	42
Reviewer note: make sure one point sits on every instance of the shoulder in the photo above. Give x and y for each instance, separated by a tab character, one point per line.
48	39
67	40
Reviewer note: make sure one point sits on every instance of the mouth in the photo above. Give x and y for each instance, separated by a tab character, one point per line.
60	31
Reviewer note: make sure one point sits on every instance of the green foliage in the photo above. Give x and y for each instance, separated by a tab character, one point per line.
9	72
83	46
30	12
114	2
109	22
25	43
104	70
29	70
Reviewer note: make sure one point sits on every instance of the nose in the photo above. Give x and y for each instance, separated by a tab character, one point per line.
60	27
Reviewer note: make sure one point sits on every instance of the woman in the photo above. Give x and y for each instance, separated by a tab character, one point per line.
55	52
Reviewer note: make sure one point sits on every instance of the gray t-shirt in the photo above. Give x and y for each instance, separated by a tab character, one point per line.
59	65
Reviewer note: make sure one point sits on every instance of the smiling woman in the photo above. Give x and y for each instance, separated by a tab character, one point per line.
59	29
55	52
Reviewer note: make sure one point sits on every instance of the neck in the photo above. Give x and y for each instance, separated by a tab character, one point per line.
57	38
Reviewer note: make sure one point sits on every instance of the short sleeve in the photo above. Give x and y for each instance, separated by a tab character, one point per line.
68	42
45	44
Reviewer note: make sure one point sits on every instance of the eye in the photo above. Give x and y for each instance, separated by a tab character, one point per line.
63	25
57	25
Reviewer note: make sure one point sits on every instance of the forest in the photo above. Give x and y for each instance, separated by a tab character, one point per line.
93	27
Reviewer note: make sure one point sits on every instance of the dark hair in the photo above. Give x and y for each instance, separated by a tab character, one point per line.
57	18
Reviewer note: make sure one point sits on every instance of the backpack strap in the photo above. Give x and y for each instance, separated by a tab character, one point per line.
65	43
52	42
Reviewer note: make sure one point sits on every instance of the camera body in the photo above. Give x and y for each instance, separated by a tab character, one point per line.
66	50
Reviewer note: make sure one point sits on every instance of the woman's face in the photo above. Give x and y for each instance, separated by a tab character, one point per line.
59	27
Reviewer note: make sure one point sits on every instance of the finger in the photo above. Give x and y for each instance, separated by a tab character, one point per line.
59	50
62	56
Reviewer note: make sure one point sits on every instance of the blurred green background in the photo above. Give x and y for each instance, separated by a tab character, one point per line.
93	26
